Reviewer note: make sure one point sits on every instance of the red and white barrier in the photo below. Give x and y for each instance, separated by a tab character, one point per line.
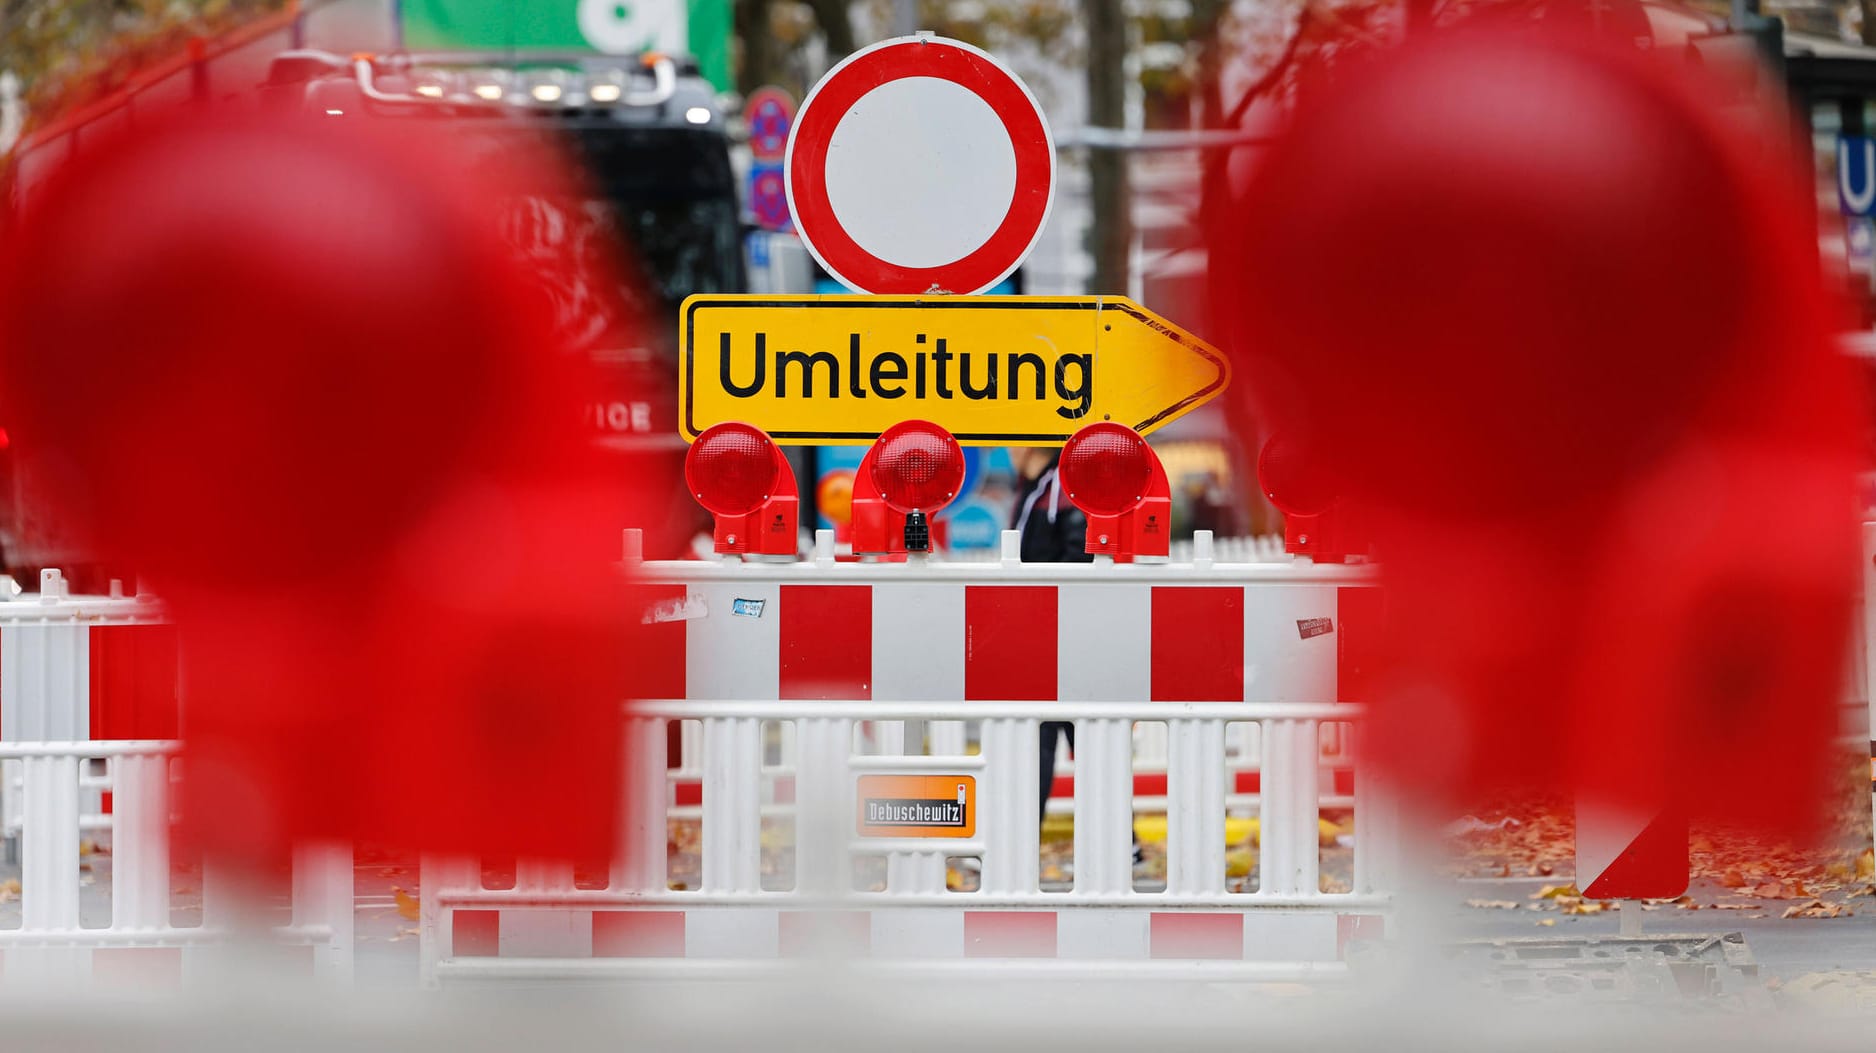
82	668
822	649
141	945
88	715
1201	653
1243	777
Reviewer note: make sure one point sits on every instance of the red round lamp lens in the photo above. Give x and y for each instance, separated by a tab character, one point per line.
1106	469
918	466
731	469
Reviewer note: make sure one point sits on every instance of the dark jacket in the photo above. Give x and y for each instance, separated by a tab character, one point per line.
1053	529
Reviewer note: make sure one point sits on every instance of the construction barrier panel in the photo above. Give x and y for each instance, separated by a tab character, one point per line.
811	653
89	711
916	675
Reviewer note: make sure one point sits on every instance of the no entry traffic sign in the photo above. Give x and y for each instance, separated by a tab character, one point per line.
920	165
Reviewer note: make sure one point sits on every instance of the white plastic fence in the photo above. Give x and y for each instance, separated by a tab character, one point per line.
141	943
1262	548
636	925
1243	768
922	631
45	689
812	688
54	773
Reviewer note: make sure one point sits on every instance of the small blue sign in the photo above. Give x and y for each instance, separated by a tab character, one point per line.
1856	174
974	525
768	197
973	476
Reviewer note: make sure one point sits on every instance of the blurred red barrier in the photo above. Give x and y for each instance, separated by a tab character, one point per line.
1549	323
291	372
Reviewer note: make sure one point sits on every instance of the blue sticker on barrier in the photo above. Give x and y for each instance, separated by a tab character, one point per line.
748	608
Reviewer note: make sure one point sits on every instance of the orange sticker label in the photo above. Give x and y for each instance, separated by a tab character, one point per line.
917	806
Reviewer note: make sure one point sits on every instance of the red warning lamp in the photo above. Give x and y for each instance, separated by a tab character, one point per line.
1115	478
740	476
1316	522
913	470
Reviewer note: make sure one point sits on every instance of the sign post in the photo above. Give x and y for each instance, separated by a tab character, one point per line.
919	173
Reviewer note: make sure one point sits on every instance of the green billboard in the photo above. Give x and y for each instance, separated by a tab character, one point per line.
696	27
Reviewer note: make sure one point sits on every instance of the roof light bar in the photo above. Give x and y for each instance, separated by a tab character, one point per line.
551	87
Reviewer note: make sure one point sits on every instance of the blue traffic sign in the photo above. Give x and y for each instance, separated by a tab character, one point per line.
770	113
1856	174
768	197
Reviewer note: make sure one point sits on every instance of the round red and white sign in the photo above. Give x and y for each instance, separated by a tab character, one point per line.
920	165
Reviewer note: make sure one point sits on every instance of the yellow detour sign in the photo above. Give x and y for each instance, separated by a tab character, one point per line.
994	370
917	805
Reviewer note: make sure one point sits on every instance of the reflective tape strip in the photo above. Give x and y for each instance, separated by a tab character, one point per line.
1097	641
826	642
889	932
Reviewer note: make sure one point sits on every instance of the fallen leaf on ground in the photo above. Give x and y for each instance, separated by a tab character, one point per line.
1779	890
1548	922
1678	901
1817	908
407	906
1553	891
1866	864
1492	904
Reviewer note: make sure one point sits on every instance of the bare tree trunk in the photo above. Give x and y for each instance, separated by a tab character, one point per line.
836	25
1112	234
761	59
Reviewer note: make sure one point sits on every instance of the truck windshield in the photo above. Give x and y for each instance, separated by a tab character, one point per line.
664	197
